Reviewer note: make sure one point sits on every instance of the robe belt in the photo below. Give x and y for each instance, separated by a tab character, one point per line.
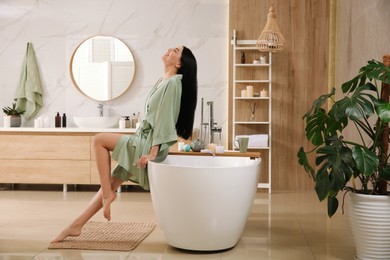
144	131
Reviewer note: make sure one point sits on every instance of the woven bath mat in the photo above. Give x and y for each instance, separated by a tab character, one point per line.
113	236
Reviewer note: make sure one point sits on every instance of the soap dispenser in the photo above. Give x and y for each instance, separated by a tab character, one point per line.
127	122
64	120
57	120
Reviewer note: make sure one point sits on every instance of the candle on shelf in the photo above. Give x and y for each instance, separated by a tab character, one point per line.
212	147
180	146
263	93
243	93
249	91
263	59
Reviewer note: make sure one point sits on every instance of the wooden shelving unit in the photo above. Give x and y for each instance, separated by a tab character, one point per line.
258	75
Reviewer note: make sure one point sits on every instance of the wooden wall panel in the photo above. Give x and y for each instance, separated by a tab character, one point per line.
300	74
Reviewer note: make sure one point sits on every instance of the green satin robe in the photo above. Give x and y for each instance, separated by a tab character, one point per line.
162	109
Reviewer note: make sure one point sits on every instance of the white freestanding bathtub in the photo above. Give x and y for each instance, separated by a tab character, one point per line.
202	202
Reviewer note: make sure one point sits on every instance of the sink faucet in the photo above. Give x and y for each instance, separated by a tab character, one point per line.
100	107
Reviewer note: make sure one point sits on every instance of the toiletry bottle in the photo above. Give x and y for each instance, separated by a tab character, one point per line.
138	124
127	122
133	121
139	117
122	123
57	120
64	120
180	145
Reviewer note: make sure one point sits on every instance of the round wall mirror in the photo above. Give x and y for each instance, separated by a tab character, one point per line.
102	68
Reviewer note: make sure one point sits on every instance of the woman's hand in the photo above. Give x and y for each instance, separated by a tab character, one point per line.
144	159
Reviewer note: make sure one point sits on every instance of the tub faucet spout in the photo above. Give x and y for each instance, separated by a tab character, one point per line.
212	125
100	107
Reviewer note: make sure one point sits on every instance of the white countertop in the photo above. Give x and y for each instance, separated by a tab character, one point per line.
66	130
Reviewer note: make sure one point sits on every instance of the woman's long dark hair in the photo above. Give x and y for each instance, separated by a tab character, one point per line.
188	69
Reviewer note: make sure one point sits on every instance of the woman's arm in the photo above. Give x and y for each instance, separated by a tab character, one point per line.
144	159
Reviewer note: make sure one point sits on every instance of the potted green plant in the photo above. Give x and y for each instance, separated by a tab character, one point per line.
359	165
12	117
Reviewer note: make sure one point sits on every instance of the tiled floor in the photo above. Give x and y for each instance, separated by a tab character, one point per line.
284	225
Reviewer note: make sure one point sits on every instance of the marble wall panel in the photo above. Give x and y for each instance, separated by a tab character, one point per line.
148	27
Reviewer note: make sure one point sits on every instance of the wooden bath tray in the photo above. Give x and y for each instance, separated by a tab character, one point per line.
228	153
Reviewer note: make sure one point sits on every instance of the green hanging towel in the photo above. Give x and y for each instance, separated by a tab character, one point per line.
29	94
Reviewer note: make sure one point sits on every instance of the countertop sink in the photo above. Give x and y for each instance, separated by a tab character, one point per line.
96	122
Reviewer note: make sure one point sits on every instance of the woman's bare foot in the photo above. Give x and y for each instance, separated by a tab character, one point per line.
107	205
67	232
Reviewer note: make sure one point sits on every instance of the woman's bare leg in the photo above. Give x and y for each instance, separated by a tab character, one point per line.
104	143
74	229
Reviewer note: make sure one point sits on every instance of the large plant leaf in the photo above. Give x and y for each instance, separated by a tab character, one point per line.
321	125
360	104
336	120
315	127
383	111
302	159
337	162
352	84
333	204
376	70
366	160
336	168
322	184
319	103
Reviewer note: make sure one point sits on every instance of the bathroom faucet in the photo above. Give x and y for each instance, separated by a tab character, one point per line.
202	125
100	107
209	127
211	121
212	128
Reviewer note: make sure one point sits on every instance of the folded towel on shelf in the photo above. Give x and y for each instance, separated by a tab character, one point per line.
258	140
29	94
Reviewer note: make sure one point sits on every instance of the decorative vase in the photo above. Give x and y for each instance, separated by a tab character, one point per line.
197	145
369	216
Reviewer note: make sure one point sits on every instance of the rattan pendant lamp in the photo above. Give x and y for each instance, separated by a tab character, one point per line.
271	39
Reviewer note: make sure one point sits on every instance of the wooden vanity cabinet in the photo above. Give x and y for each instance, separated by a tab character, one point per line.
48	158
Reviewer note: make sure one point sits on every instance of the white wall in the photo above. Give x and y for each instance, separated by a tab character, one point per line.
148	27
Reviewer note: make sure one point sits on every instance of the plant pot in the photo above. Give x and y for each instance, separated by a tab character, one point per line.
16	120
370	223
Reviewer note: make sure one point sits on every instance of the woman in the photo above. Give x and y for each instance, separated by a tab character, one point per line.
169	112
